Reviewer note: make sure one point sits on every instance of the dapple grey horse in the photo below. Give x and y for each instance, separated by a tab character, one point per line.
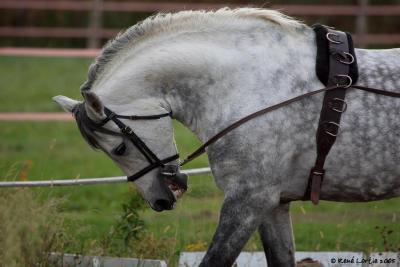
210	69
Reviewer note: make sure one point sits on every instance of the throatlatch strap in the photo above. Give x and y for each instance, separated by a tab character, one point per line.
334	104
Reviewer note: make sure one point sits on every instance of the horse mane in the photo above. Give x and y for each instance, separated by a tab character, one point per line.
164	22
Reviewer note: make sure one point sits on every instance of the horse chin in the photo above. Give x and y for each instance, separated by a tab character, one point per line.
174	192
162	204
169	200
174	188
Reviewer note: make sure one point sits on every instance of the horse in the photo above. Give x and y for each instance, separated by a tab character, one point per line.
207	69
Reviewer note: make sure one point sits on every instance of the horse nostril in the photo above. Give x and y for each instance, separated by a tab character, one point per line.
162	204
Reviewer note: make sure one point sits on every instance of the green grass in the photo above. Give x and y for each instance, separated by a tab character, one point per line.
28	231
27	84
46	150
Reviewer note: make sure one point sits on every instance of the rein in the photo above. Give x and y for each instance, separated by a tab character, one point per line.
172	171
202	149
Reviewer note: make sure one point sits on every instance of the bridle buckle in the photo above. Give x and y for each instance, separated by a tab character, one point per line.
127	130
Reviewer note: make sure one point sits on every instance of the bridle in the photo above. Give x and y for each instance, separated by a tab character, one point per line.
169	170
151	157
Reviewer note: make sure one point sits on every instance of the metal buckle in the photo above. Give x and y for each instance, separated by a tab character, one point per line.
328	36
343	57
350	80
344	105
331	123
169	170
347	56
127	130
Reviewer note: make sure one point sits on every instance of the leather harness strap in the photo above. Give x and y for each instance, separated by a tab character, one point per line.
333	105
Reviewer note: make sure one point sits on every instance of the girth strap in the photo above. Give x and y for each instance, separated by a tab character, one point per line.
334	104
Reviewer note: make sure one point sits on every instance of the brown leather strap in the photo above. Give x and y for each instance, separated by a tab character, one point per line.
377	91
333	106
202	149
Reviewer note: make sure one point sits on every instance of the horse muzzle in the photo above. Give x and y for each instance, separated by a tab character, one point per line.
175	180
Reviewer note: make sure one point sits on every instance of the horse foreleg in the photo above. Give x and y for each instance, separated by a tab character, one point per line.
277	237
239	218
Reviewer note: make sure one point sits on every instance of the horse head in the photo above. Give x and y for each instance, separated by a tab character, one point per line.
144	157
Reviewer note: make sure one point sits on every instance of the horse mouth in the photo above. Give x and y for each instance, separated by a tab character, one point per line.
176	189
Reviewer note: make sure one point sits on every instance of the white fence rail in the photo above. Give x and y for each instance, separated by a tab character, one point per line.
72	260
89	181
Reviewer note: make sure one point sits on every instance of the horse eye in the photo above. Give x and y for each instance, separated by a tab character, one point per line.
119	150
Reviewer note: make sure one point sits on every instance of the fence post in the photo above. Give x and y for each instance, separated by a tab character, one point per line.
362	23
95	23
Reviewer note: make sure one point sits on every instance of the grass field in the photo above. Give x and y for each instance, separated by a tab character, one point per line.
46	150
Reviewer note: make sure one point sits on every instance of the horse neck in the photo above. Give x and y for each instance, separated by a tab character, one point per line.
211	79
231	76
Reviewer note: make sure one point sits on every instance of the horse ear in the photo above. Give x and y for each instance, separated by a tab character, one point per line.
66	103
93	105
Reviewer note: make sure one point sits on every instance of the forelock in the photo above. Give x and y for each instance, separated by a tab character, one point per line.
84	124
